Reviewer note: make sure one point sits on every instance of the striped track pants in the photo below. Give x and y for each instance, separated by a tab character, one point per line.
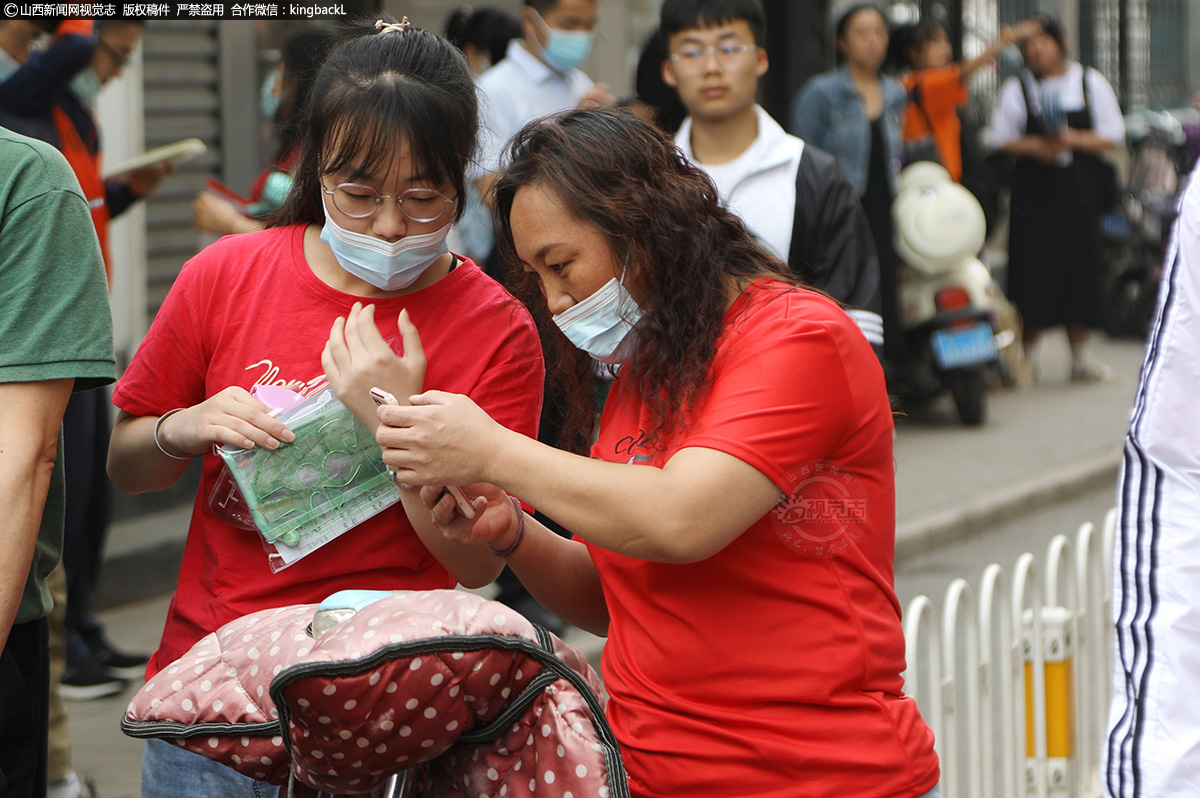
1152	748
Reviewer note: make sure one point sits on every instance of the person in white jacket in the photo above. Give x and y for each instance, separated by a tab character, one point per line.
794	197
1153	745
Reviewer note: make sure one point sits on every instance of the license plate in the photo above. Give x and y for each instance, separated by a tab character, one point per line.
964	347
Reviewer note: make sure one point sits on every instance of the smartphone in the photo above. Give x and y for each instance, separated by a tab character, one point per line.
465	507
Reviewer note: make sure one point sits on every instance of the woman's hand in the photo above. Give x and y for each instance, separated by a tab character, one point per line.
218	215
232	417
357	359
495	520
1046	149
441	439
147	179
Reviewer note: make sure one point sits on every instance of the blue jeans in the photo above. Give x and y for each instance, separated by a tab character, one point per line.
171	772
936	792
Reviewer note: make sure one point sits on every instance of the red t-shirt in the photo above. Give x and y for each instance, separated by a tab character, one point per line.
248	310
771	669
942	92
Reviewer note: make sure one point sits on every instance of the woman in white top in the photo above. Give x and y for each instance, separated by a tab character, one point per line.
1056	119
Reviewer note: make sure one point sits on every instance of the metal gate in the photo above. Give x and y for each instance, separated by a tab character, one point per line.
195	81
1167	79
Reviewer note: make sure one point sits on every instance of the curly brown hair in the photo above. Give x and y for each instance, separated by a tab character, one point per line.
687	254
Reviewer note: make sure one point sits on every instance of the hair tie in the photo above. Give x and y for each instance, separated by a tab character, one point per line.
400	27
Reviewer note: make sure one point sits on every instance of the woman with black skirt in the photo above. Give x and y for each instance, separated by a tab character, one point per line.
1056	118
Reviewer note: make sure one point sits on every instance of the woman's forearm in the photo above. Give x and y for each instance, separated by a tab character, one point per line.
684	512
135	463
560	574
1088	142
471	565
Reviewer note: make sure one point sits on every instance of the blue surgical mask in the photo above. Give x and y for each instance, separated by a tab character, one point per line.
565	49
8	65
387	266
603	324
268	100
86	85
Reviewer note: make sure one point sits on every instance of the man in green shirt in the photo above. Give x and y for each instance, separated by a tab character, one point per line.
55	338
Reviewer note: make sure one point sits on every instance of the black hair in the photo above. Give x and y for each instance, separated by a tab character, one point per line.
456	25
1052	25
681	15
302	56
843	19
488	29
542	6
906	42
378	89
669	110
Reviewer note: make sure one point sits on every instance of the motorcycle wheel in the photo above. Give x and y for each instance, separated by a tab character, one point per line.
1127	303
969	387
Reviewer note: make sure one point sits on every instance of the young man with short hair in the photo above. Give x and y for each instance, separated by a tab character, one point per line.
793	197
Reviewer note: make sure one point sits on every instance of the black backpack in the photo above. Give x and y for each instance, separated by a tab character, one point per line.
982	175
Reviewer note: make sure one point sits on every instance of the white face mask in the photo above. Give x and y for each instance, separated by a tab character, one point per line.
603	324
387	266
86	86
8	65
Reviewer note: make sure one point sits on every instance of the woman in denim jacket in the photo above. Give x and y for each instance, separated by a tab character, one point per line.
856	112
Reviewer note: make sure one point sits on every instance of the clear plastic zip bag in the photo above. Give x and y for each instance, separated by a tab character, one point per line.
308	492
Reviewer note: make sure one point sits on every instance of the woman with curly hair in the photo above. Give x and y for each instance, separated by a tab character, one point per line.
734	523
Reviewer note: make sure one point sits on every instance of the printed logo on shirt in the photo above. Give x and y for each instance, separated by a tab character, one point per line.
271	376
270	373
636	449
822	513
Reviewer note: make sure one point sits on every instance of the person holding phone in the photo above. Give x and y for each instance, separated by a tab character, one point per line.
331	293
754	643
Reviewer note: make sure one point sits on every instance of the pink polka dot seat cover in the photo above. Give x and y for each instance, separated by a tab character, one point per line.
463	696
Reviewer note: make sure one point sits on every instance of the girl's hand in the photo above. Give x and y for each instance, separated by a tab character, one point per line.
495	520
232	417
357	359
440	439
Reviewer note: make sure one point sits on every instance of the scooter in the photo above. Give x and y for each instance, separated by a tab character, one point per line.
1135	234
947	296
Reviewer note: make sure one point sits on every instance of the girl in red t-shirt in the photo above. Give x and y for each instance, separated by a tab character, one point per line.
734	523
331	293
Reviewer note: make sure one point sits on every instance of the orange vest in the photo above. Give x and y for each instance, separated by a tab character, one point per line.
86	166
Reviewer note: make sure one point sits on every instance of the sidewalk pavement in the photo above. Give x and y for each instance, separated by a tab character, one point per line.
1040	446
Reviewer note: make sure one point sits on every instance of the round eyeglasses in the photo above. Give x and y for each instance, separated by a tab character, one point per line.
422	205
693	57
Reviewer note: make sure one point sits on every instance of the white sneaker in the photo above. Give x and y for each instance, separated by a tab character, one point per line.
1091	371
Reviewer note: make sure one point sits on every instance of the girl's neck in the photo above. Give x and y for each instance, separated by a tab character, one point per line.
1057	70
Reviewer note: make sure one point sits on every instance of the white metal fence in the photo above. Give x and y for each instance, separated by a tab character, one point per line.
1015	684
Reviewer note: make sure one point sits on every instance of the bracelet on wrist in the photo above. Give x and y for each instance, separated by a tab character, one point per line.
158	443
516	541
